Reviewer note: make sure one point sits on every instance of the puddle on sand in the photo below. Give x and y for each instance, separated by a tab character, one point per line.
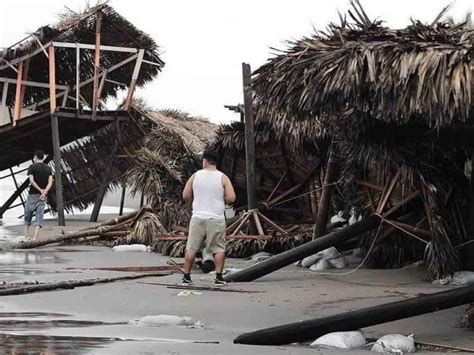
35	324
28	257
41	344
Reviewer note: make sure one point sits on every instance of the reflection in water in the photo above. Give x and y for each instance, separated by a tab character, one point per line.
28	257
50	345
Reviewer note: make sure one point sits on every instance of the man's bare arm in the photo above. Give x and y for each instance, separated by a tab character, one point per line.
48	187
188	189
229	192
34	184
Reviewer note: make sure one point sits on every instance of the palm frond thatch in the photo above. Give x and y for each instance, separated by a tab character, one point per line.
421	72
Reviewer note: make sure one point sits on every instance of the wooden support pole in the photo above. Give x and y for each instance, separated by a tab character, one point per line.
122	200
286	258
52	80
17	186
4	94
56	139
353	320
57	167
18	102
249	138
78	75
133	82
95	98
325	200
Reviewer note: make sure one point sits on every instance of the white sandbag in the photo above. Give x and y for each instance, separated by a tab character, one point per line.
299	263
463	278
338	263
165	320
321	265
131	248
395	343
341	340
328	253
338	218
310	260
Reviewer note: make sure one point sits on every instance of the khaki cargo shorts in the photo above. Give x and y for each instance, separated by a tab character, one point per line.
211	230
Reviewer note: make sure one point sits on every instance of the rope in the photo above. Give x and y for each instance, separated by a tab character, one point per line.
465	243
303	194
362	262
400	228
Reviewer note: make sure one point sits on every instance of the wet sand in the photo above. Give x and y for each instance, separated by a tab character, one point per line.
95	319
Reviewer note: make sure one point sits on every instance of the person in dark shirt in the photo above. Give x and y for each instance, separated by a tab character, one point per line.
41	181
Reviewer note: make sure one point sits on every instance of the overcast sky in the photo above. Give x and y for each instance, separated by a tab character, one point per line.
204	42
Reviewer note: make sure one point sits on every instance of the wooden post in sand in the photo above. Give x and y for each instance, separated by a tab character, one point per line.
249	138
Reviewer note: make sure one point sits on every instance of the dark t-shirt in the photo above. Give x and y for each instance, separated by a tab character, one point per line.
41	172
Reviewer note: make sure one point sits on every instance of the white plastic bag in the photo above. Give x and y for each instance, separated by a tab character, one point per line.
338	263
341	340
165	320
131	248
395	343
321	265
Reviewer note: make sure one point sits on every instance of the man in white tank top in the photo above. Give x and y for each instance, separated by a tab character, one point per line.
210	190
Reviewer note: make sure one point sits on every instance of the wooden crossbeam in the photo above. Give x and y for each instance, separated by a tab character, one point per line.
31	83
90	80
93	47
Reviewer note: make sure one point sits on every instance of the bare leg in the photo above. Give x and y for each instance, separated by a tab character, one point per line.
37	229
26	231
189	260
219	259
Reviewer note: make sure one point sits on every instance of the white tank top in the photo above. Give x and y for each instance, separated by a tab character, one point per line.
208	195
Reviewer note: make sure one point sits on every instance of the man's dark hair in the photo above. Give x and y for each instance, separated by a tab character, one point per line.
210	156
39	154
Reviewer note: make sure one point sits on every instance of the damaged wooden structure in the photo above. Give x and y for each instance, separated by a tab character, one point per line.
55	82
397	105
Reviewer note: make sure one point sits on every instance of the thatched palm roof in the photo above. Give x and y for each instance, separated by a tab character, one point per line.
155	148
80	28
421	72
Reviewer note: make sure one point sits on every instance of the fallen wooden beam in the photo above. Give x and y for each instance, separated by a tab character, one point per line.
354	320
19	290
286	258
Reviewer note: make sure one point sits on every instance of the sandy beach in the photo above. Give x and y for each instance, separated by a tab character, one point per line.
99	319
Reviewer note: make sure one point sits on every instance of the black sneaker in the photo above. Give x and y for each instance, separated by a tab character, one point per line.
186	281
219	282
